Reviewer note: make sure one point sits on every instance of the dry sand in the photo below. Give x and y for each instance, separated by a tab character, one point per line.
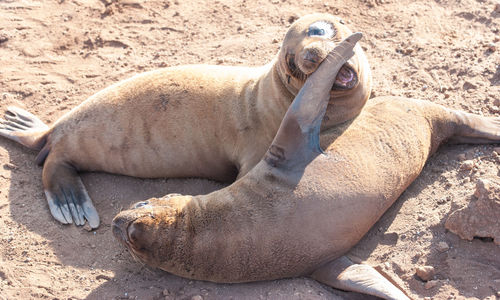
54	54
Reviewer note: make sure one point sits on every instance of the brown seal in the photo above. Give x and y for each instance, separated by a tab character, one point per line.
190	121
301	209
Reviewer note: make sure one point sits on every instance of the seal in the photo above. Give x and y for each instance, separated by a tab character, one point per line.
300	210
204	121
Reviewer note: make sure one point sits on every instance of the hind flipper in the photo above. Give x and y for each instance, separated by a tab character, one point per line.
343	274
23	127
66	195
476	129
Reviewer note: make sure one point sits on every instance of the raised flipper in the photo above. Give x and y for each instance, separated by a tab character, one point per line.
24	128
67	197
297	141
476	129
343	274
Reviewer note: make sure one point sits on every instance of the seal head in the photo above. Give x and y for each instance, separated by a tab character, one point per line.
306	44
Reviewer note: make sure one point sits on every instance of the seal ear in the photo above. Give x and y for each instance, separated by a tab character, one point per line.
297	140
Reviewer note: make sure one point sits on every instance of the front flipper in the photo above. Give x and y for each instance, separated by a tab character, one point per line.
297	140
66	195
343	274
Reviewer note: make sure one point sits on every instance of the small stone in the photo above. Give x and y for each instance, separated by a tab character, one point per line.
492	47
3	38
165	292
9	166
441	201
275	41
292	18
467	165
430	284
469	86
197	297
442	247
420	218
483	187
497	8
425	273
87	227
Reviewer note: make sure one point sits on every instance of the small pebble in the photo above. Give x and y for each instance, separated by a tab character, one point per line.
197	297
165	292
467	165
492	47
3	38
430	284
87	227
442	247
425	273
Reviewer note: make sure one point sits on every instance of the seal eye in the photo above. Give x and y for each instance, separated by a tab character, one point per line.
321	29
141	204
316	31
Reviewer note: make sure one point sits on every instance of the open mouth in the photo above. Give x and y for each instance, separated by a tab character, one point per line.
346	79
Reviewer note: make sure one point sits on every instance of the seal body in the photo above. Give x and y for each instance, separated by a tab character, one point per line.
276	223
190	121
300	209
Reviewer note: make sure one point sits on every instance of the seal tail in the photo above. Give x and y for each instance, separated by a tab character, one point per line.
25	128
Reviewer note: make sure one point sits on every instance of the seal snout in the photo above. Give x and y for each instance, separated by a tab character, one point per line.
119	227
312	55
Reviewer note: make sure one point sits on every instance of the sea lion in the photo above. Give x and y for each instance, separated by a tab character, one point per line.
300	209
187	121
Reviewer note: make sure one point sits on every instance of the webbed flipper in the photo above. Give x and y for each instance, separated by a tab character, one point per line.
343	274
297	141
23	127
66	195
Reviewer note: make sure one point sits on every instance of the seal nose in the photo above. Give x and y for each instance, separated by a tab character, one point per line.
312	56
119	226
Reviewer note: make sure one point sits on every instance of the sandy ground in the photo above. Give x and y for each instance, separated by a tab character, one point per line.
54	54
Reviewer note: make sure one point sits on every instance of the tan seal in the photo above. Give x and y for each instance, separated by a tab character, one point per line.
301	209
188	121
